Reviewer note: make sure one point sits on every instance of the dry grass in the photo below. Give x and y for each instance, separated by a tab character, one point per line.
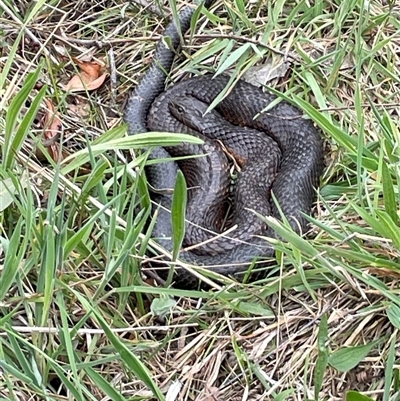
77	322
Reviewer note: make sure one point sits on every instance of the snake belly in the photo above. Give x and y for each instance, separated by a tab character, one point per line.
293	186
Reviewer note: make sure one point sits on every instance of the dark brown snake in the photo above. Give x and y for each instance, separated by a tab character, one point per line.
278	152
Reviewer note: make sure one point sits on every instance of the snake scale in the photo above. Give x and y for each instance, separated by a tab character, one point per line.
285	154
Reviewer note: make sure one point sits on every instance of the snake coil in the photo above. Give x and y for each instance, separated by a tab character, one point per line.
300	166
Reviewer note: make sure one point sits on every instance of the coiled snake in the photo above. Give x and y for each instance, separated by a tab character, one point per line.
278	151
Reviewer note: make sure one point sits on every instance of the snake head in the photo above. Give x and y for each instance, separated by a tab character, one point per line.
188	110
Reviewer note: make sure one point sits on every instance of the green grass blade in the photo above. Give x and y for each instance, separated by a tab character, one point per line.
347	358
389	197
389	368
356	396
105	386
322	361
12	118
12	259
178	213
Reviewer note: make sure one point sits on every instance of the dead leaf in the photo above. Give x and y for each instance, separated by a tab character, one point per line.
90	78
384	272
81	110
52	131
261	74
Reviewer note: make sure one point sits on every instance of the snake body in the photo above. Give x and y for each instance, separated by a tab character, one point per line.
210	181
292	178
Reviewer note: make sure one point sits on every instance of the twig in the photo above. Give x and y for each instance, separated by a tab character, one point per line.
55	330
379	106
103	43
113	76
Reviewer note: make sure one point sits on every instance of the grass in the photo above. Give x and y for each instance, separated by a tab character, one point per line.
76	320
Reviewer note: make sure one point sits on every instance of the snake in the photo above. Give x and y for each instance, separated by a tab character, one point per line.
280	152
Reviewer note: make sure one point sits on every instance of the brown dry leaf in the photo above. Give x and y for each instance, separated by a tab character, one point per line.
90	78
53	126
384	272
259	75
92	69
81	110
